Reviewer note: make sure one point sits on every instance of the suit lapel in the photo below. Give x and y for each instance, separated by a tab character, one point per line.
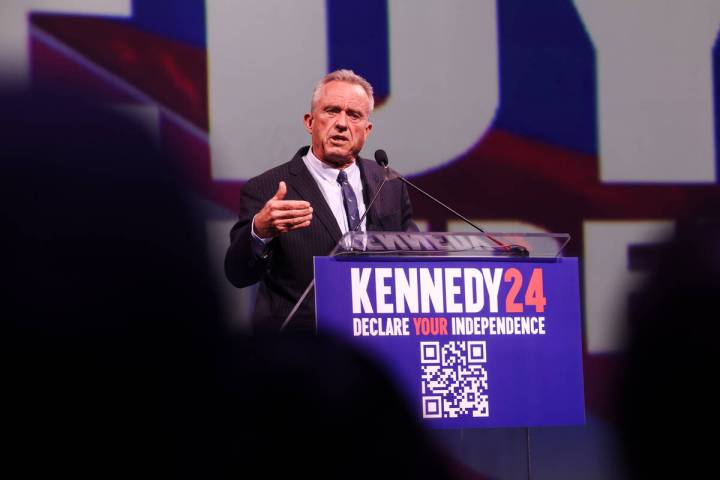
306	187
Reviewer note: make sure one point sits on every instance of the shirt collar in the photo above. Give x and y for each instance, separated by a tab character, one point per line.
328	172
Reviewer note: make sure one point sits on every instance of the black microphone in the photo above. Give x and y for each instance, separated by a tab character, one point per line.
382	159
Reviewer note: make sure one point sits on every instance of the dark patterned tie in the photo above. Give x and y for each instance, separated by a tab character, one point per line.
350	201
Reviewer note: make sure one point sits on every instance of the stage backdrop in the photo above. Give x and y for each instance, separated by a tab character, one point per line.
595	118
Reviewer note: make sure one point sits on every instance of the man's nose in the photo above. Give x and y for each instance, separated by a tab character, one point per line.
341	123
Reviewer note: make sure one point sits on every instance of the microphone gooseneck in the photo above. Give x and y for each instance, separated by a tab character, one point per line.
372	200
382	159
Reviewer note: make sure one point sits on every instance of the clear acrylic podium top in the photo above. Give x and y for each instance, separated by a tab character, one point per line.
444	244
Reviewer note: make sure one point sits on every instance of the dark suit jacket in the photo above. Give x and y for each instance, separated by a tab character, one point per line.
288	269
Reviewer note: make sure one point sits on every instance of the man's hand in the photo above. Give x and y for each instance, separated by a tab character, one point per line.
282	216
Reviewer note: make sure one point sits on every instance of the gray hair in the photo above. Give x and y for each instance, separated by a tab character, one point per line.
343	75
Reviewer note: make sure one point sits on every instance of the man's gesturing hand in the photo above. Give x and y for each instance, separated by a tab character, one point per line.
282	216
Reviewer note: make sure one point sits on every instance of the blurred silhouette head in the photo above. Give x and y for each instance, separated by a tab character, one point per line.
108	310
114	356
314	406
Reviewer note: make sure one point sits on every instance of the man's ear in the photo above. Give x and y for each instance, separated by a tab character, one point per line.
368	128
308	121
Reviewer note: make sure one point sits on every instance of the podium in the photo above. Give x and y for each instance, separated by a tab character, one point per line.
478	330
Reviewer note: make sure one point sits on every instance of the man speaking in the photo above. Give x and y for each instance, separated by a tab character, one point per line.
301	209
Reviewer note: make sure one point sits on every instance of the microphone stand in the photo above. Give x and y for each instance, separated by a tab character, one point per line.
312	282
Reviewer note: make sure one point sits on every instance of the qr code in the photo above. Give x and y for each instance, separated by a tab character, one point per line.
454	379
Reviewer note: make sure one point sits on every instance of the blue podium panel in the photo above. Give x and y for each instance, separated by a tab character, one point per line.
471	343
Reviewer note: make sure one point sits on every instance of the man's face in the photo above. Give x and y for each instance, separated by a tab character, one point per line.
339	123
